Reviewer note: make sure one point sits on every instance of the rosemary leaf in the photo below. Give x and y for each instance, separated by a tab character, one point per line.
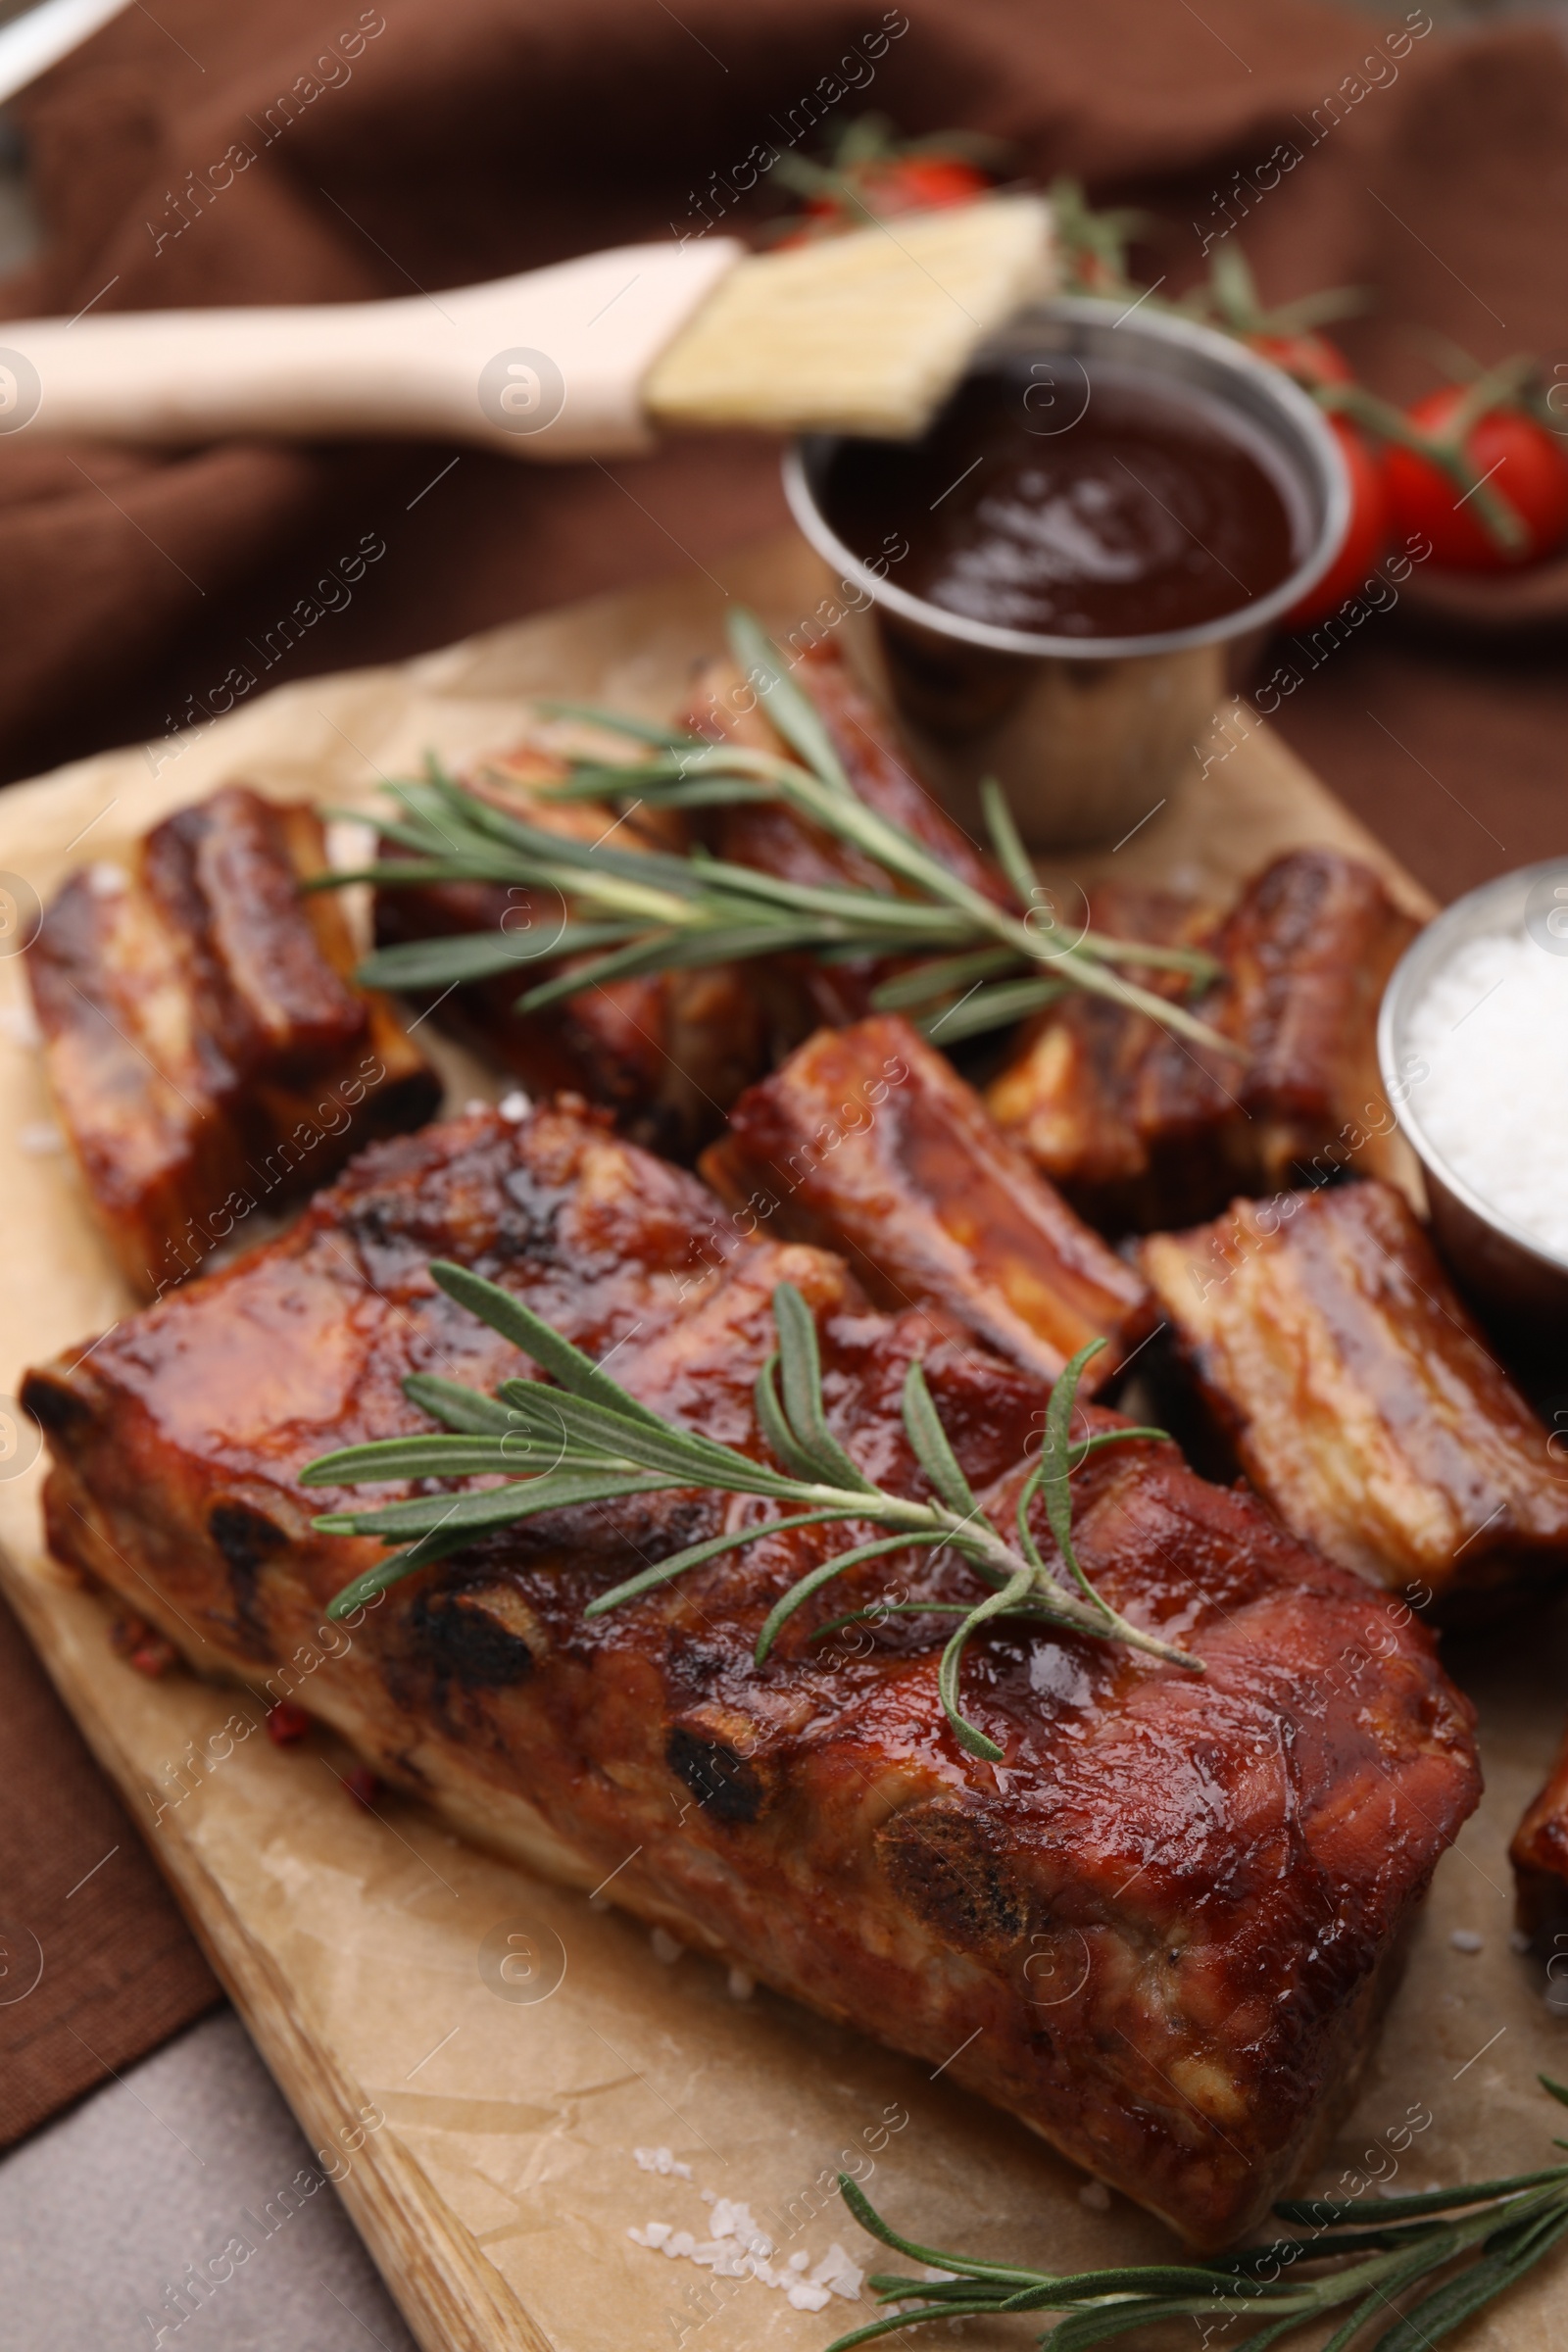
800	1374
791	713
463	1410
872	2223
653	911
1056	1463
549	1350
941	977
968	1735
931	1446
802	1589
657	951
875	1610
476	1511
618	722
1315	2212
1510	2226
774	1425
682	1454
587	1440
1459	2299
910	2318
991	1009
663	1571
1005	839
419	963
449	1455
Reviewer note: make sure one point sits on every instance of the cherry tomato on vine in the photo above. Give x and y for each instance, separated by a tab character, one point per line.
1365	539
1524	463
924	183
889	187
1310	357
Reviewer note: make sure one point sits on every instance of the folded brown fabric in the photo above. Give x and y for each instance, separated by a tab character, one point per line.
96	1966
317	150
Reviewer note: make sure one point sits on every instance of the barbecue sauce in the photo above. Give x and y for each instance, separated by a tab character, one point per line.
1151	508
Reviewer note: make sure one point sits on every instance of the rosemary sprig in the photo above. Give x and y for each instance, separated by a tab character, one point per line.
588	1440
1508	2225
651	910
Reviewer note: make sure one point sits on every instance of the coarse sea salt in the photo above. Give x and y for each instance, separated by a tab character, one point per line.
1492	1027
737	2248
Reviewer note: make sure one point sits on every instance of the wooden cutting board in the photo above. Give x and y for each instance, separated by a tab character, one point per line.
482	2127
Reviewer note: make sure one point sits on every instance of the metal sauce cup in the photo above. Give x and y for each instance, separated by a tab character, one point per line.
1515	1279
1086	735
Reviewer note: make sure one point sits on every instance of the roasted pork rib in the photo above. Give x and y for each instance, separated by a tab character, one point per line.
1140	1128
1159	1932
668	1052
207	1051
1363	1401
665	1053
778	839
1539	1854
867	1139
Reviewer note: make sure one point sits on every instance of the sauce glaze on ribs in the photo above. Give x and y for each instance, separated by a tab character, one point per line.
867	1139
1157	1932
207	1050
665	1052
1362	1400
669	1052
1141	1129
1539	1852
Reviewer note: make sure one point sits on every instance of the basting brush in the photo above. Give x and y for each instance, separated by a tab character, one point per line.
865	333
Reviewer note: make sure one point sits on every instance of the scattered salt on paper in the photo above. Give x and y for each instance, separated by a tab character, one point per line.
738	2249
1465	1940
666	1947
742	1984
661	2160
18	1026
1492	1027
39	1137
514	1107
836	2272
105	881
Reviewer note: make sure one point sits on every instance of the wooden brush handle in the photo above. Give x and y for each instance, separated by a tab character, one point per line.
549	365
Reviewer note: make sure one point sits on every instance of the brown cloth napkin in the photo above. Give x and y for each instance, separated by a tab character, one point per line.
81	1902
315	150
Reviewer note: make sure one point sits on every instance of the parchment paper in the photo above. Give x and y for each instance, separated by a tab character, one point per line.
482	2122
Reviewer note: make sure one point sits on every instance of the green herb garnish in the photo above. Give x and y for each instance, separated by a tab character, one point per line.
648	910
1380	2255
587	1440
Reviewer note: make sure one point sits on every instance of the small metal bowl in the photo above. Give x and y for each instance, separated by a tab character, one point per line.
1086	734
1504	1271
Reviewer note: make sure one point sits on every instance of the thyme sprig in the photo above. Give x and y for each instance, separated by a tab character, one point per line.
588	1440
650	911
1384	2253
